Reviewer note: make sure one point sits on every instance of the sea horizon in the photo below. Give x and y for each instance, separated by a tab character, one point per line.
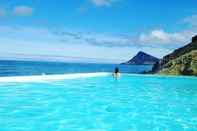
22	67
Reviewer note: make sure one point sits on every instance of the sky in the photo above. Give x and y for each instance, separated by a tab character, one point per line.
104	30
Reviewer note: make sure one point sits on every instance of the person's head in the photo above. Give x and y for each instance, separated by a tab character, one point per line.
116	70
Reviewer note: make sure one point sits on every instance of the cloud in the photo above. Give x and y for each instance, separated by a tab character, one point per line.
154	38
35	41
192	20
97	3
102	3
160	37
59	41
95	39
66	37
23	11
165	38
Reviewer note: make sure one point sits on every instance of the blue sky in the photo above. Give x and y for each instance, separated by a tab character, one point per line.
103	29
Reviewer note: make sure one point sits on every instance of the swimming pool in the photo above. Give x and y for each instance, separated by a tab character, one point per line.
98	102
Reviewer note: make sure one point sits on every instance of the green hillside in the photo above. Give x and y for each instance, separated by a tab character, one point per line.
182	61
183	65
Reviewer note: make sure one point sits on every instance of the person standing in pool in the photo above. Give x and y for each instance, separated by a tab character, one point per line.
116	72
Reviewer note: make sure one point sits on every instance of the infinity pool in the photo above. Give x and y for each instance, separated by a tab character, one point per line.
99	103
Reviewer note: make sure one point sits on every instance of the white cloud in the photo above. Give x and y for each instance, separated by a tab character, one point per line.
175	39
101	3
64	36
192	20
23	11
34	40
162	37
155	38
42	41
95	39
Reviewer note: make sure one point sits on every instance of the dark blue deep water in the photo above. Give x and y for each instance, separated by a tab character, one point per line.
23	68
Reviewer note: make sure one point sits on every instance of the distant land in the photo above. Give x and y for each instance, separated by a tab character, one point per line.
182	61
142	58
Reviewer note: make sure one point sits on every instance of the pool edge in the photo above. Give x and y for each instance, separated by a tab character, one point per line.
37	78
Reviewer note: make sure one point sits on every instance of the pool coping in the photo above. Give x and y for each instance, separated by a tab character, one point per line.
37	78
57	77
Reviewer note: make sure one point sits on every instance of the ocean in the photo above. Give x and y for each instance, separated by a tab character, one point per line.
27	68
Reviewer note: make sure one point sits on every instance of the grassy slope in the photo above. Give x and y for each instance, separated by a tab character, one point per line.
179	52
183	65
182	61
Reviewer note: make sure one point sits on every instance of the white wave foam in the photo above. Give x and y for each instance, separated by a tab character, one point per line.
50	77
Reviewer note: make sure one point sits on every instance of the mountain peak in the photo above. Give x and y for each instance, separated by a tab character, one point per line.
141	52
142	58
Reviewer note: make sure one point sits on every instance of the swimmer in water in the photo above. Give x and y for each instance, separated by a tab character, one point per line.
116	72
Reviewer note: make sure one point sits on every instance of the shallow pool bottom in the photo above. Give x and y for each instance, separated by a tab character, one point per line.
132	102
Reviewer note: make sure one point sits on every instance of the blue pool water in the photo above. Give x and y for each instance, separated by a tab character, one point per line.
102	103
24	68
